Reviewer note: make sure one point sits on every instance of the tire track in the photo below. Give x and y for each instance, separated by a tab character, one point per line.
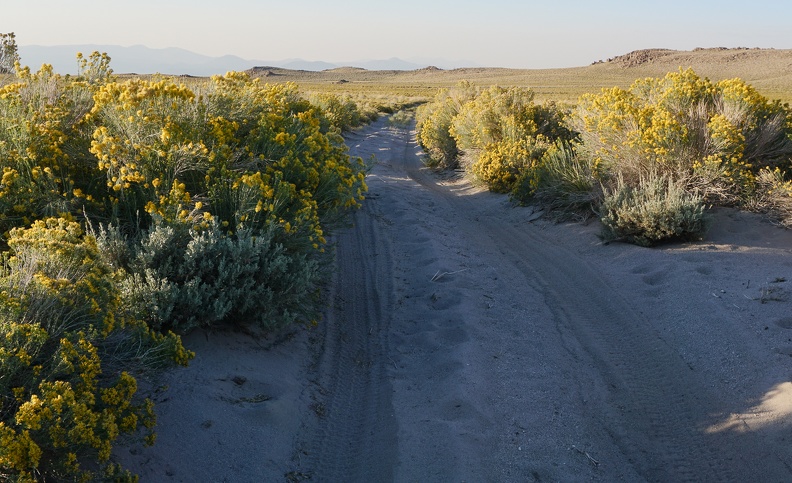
355	439
657	407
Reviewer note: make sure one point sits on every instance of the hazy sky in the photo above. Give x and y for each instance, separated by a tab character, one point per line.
503	33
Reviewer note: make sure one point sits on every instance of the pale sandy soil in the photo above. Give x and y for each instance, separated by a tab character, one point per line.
466	340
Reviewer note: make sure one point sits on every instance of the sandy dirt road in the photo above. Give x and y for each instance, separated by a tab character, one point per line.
468	341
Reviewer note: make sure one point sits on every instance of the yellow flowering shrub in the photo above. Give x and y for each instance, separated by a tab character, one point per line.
341	113
36	120
434	121
499	165
506	133
205	204
500	130
67	356
290	140
196	170
713	137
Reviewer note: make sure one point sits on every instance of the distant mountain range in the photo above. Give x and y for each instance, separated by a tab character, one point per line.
174	61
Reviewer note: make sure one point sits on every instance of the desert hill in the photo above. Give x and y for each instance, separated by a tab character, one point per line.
769	70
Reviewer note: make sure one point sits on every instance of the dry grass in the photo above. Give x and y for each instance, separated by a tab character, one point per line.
766	69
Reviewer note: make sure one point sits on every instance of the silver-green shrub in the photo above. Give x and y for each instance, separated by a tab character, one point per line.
658	209
181	279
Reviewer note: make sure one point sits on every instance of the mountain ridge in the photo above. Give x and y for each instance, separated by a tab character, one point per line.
139	59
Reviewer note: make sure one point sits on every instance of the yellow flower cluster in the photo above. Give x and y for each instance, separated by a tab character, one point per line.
142	133
63	405
681	126
505	132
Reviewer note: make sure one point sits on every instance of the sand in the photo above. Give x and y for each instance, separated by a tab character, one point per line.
469	340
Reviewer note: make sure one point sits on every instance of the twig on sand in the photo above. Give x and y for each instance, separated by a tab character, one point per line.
438	275
585	453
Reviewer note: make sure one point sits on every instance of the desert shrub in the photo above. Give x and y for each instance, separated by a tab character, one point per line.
773	196
69	355
287	140
712	137
502	132
370	112
166	149
182	278
658	209
506	133
42	148
562	183
499	165
221	199
403	118
499	113
341	112
433	125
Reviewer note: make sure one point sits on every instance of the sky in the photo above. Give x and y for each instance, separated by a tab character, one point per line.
491	33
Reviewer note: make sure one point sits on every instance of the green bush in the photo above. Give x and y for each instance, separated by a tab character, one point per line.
181	279
657	210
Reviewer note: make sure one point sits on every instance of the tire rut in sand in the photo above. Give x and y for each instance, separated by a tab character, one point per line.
355	438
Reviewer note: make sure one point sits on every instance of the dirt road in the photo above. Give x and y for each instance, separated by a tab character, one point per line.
469	342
